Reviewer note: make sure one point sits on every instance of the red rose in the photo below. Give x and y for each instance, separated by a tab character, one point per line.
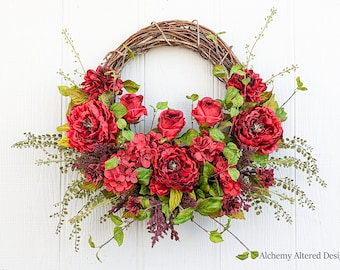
173	169
122	177
207	112
258	127
133	104
170	123
254	88
103	79
90	123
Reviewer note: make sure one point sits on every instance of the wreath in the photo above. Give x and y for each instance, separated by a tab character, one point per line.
219	168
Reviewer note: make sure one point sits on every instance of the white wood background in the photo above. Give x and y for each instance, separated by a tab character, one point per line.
304	32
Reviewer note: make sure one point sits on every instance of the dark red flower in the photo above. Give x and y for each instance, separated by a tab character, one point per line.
133	104
265	177
122	177
100	80
258	127
208	112
204	148
133	205
90	123
171	123
252	91
173	169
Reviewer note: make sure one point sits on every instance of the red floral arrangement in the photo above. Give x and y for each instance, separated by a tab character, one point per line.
220	169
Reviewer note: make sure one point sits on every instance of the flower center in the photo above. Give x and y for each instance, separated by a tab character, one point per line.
257	127
172	165
87	124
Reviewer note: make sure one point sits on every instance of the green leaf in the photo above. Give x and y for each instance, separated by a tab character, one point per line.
121	123
245	81
261	159
165	210
116	219
118	109
243	256
193	97
63	128
238	100
281	114
118	235
187	137
231	94
128	134
232	153
271	103
215	237
91	243
130	86
108	98
91	186
220	71
254	254
143	175
300	85
234	173
238	215
175	199
129	52
183	216
265	96
162	105
75	93
238	69
63	142
234	112
209	206
111	163
216	134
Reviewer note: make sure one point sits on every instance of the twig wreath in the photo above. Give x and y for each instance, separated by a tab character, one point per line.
166	176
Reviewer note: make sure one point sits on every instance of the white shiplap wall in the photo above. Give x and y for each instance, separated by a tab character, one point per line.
32	50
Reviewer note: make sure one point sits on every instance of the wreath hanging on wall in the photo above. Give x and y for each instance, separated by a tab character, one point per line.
167	175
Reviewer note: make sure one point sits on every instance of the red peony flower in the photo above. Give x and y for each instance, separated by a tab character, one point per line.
122	177
171	123
258	127
265	177
204	148
252	90
207	112
173	169
133	103
90	123
100	80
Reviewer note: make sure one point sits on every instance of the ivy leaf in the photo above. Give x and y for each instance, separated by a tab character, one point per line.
162	105
121	123
130	86
300	85
215	237
234	173
128	134
193	97
254	254
232	153
216	134
246	81
63	128
111	163
175	199
243	256
91	243
129	52
118	109
116	219
63	142
118	235
183	216
238	69
234	112
143	175
281	114
220	71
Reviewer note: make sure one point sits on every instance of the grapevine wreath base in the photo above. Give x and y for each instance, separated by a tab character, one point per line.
164	176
